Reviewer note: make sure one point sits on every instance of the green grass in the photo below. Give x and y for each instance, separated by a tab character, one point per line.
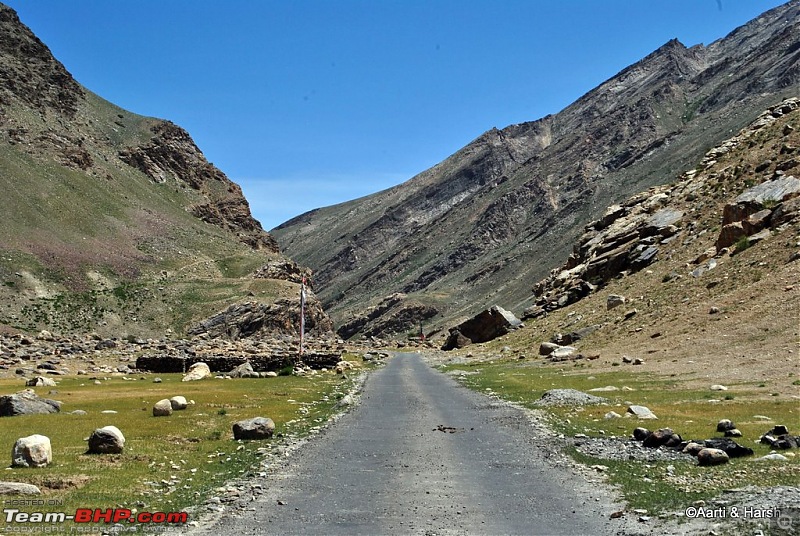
169	463
692	413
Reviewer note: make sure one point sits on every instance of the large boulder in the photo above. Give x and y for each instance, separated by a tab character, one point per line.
198	371
27	403
106	440
255	428
455	340
485	326
32	451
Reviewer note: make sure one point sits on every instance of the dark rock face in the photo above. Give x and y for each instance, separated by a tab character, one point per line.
503	211
172	154
37	78
485	326
27	403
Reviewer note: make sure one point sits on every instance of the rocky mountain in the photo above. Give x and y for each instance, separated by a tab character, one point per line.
483	226
114	222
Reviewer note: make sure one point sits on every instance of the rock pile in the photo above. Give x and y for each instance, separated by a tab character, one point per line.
779	438
568	397
714	451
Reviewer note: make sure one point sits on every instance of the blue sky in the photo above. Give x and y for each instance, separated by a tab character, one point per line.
308	103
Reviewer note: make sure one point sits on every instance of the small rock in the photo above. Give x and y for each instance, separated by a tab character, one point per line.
708	457
198	371
724	425
18	488
733	432
612	415
255	428
178	403
162	408
40	381
642	412
157	380
106	440
718	387
614	300
32	451
772	457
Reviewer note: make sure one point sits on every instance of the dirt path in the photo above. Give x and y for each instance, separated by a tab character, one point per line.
423	455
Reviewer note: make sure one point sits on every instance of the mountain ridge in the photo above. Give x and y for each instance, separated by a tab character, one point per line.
490	220
115	222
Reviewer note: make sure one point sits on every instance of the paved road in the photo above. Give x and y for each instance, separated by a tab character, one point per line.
423	455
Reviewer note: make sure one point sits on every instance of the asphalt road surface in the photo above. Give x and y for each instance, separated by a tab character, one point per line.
424	455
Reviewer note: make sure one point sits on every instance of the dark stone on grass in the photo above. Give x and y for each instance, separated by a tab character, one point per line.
658	438
106	440
640	434
725	425
255	428
729	446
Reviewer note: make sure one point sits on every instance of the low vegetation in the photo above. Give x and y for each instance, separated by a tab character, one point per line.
693	413
169	463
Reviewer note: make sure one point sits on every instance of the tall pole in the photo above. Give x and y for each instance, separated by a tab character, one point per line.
302	314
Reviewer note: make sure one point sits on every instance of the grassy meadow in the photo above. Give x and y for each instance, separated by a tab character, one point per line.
169	463
693	413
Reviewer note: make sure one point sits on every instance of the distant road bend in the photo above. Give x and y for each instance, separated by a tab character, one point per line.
423	455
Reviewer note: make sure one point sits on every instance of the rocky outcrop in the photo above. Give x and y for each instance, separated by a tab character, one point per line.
171	155
485	326
250	319
392	316
625	240
630	236
286	270
36	78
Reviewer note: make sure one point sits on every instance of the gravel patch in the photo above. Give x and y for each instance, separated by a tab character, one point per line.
569	397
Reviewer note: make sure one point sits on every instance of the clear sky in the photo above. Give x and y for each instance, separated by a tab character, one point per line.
307	103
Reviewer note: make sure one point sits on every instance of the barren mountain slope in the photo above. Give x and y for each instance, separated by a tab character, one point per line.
720	302
112	221
485	224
